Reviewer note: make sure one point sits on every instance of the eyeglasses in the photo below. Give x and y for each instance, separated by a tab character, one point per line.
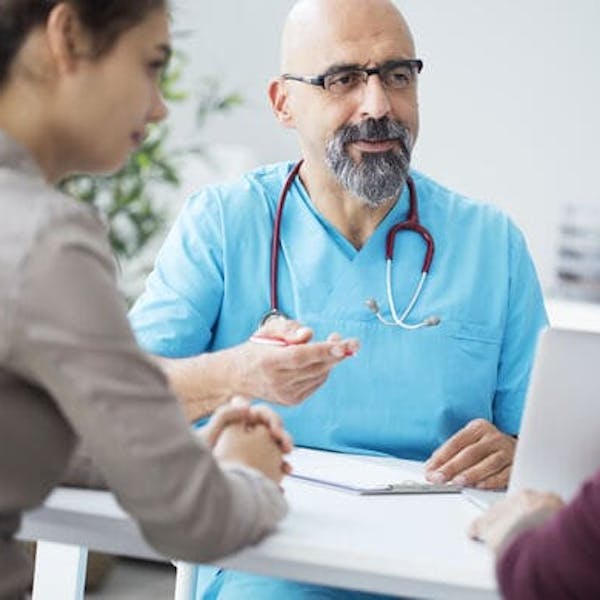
396	75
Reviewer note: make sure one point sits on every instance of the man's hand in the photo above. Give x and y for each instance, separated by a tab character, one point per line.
515	513
285	374
289	374
479	455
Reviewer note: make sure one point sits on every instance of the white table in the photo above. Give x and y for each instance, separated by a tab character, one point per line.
407	545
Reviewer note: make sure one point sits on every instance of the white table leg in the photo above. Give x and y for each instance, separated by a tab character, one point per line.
185	583
59	571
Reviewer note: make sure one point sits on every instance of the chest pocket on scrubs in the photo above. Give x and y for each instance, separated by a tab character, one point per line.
473	355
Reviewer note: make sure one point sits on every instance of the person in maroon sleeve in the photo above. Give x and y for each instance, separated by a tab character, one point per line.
545	549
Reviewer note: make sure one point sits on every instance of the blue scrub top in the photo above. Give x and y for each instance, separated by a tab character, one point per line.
405	392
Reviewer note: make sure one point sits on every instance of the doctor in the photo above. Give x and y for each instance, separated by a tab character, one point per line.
451	390
407	391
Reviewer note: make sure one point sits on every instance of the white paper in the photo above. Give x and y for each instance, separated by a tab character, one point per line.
358	474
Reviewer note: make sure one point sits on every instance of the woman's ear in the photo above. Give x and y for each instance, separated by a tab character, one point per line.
67	39
279	99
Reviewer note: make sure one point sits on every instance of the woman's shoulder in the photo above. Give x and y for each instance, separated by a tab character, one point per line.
36	215
32	205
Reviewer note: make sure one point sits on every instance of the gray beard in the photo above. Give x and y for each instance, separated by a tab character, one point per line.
379	176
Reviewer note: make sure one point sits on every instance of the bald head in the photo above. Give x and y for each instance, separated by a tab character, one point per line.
356	130
319	32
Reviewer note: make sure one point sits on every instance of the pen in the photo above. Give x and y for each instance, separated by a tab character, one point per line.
270	340
276	340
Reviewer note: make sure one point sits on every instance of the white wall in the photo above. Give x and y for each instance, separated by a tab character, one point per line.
510	97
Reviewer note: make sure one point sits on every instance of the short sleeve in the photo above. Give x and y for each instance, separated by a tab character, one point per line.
176	312
526	317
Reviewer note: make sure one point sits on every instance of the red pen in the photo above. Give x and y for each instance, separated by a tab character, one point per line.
276	340
271	340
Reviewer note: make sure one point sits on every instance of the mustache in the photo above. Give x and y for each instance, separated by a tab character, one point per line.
376	130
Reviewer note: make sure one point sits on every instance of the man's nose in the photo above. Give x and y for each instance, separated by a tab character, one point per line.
375	100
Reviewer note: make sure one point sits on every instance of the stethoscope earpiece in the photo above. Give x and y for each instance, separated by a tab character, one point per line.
432	321
372	305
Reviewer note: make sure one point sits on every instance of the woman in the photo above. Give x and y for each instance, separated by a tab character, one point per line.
545	549
78	86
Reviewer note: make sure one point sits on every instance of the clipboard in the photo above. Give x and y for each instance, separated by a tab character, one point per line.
363	476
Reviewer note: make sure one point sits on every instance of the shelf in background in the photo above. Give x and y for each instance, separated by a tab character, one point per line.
570	314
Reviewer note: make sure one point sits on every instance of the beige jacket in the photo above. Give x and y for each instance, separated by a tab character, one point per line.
70	370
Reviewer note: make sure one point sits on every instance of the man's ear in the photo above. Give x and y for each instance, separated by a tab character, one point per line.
279	99
67	40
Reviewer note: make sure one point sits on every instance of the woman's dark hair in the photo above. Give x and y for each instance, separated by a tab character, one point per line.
104	19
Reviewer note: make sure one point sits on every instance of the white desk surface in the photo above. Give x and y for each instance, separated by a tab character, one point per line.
411	545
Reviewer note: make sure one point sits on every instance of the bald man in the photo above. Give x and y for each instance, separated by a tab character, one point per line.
447	334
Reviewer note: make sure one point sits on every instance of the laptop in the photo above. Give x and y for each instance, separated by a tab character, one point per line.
559	441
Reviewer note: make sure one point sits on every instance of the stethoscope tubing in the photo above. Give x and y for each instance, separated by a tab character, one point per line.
410	224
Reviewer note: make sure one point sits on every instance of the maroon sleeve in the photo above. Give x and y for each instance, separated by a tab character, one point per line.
560	559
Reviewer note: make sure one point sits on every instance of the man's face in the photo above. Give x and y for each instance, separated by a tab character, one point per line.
365	134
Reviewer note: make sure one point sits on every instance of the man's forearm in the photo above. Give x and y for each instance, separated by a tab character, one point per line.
204	382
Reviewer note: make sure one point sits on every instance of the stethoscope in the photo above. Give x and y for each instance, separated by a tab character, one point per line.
410	224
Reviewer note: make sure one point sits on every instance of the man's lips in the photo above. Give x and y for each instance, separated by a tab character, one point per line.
376	146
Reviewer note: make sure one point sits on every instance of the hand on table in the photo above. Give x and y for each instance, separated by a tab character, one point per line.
525	508
479	455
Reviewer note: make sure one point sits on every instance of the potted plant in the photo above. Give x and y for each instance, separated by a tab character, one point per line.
127	200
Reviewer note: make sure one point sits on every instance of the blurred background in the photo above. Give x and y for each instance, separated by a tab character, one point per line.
510	114
509	98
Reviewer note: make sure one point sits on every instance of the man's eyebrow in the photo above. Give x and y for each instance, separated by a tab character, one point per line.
396	61
340	67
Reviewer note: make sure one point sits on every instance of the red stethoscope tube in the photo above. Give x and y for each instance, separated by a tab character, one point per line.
411	223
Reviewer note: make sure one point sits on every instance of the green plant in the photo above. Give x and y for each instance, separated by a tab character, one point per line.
127	198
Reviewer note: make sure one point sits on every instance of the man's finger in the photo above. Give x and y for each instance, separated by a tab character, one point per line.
320	352
497	481
487	467
465	437
463	460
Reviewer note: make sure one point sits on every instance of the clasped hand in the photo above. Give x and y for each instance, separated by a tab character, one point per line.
250	435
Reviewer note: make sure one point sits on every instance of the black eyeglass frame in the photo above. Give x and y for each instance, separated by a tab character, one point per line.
415	64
